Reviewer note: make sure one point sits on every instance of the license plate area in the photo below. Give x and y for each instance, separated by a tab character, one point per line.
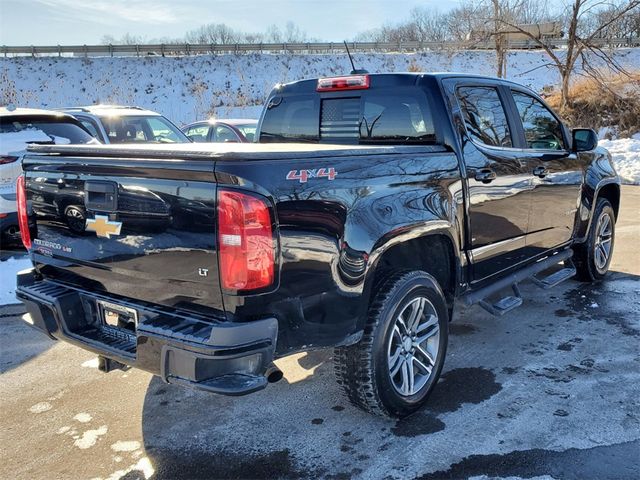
118	316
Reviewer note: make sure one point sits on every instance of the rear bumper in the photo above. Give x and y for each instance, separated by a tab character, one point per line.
220	357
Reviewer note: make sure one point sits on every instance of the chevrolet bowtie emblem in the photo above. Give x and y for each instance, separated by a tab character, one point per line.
103	226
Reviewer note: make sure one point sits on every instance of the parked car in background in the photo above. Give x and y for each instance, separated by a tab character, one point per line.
222	131
18	128
125	124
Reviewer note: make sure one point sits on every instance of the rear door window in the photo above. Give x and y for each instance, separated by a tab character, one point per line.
163	132
198	133
542	130
484	116
224	134
134	129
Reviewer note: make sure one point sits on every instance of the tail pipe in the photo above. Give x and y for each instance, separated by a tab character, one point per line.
273	374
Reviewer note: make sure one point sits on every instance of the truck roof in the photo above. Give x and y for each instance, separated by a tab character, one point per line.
395	79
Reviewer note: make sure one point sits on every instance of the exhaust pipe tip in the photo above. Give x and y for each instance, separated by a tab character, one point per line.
273	374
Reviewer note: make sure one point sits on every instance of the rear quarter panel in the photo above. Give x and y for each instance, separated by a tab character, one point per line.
332	232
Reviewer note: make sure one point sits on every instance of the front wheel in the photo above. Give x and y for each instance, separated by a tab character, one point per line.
592	258
396	365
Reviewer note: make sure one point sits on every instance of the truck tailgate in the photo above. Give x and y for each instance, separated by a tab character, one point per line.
141	228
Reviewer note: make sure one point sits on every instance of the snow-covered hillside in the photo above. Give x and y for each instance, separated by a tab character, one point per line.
186	89
191	88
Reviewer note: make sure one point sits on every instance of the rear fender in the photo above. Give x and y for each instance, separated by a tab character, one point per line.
426	232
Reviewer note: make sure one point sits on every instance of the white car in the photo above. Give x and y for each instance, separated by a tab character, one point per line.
19	128
126	124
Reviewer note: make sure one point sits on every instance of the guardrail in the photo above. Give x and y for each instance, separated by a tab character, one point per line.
310	47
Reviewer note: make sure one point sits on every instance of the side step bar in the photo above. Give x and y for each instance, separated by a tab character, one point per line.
505	304
508	303
555	278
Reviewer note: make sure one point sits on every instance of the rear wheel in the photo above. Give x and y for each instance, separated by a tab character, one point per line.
592	258
395	366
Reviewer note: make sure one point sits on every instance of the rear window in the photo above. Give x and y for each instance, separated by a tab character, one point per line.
60	131
291	118
400	117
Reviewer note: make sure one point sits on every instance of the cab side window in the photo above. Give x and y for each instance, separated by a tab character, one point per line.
484	116
542	130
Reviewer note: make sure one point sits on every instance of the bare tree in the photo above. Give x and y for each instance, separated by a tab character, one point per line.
429	25
465	19
580	38
529	13
500	13
126	39
214	33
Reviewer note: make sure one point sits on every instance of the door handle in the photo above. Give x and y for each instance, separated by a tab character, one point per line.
486	175
540	172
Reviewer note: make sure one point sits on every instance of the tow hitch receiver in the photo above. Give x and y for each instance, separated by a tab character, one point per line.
107	364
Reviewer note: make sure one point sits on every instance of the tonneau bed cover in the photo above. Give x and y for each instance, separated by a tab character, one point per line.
226	151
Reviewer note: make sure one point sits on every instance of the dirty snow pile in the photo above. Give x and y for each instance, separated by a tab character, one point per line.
626	156
8	270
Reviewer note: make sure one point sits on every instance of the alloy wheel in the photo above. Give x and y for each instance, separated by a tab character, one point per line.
413	346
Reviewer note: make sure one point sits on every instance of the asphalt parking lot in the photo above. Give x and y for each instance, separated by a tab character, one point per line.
551	390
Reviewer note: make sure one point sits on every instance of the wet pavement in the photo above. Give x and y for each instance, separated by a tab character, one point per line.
551	390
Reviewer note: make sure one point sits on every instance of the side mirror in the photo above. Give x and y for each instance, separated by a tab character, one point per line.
584	139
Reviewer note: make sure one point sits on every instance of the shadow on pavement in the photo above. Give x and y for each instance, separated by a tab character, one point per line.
19	343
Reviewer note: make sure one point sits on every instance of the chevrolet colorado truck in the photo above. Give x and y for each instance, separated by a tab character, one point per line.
369	205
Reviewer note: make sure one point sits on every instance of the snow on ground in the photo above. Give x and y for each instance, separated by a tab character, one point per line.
186	89
8	270
626	156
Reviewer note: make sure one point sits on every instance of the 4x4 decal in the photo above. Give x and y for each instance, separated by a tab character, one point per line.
304	175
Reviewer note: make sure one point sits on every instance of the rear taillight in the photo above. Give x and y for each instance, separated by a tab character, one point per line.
245	241
7	159
352	82
23	220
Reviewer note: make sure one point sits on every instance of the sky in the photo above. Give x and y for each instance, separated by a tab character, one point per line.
67	22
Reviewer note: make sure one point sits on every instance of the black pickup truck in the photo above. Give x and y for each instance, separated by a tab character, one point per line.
369	205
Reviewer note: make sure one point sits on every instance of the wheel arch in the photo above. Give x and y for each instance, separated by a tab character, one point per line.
610	191
435	252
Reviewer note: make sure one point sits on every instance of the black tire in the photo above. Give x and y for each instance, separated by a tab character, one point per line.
586	257
363	369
